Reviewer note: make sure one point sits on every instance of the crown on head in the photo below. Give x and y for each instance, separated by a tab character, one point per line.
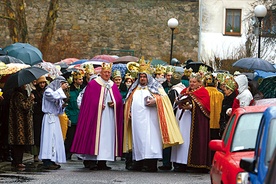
89	68
160	69
209	79
116	73
128	76
78	74
230	83
187	72
203	69
106	66
196	75
144	66
170	69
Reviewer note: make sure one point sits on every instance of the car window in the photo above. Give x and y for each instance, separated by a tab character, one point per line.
271	142
228	129
246	132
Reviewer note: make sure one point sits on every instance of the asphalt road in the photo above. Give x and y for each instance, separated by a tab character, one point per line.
74	172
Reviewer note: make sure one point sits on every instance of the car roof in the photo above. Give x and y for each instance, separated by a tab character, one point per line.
248	109
266	101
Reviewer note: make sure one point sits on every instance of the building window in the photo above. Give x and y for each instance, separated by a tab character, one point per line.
269	24
233	22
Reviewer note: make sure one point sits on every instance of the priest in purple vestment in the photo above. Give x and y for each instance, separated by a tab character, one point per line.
99	129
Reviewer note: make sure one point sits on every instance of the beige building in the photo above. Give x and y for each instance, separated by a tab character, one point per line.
225	26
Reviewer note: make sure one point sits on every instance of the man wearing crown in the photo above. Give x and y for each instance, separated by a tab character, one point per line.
149	121
99	130
72	110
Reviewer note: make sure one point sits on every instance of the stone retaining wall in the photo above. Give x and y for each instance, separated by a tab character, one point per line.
85	27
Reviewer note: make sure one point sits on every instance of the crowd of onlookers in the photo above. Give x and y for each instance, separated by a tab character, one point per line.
146	115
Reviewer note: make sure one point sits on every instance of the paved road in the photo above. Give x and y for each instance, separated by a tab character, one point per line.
74	172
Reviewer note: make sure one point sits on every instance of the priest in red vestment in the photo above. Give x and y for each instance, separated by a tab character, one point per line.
199	155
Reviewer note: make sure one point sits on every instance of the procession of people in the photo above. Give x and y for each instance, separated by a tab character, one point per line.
139	112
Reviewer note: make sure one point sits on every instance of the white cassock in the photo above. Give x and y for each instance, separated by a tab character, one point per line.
146	134
51	143
179	153
107	135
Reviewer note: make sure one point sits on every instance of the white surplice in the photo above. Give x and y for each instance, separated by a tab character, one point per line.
107	134
179	153
146	135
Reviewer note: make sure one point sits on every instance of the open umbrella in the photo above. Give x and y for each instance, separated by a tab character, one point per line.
9	59
2	52
196	65
155	62
27	53
126	59
51	68
12	68
255	64
109	58
68	61
24	76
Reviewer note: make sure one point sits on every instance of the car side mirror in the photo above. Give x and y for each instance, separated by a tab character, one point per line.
217	145
248	164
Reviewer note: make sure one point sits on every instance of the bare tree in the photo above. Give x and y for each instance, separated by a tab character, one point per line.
15	15
49	26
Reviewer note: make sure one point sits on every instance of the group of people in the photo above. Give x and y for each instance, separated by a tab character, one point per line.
141	116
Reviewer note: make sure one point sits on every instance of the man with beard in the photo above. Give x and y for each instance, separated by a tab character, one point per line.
149	121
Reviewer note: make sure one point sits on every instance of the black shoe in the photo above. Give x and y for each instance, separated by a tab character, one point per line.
179	169
52	167
150	169
165	168
93	167
134	168
102	166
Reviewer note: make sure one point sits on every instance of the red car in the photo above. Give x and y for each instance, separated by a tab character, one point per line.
238	141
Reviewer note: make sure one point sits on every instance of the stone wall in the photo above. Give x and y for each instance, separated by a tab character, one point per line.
85	27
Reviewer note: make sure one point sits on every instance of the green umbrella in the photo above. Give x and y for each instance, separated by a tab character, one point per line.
27	53
158	62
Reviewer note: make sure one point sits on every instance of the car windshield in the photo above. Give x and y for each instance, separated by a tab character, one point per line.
246	132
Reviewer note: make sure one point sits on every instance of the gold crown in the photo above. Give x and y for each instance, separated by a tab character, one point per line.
170	69
230	83
132	66
221	77
144	66
116	73
106	66
78	74
89	68
128	76
160	69
209	79
187	72
196	75
203	69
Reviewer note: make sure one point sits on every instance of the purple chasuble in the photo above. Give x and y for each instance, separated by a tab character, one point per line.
86	130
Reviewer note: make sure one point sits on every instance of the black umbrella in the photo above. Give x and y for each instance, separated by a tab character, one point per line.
195	66
9	59
254	64
24	76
